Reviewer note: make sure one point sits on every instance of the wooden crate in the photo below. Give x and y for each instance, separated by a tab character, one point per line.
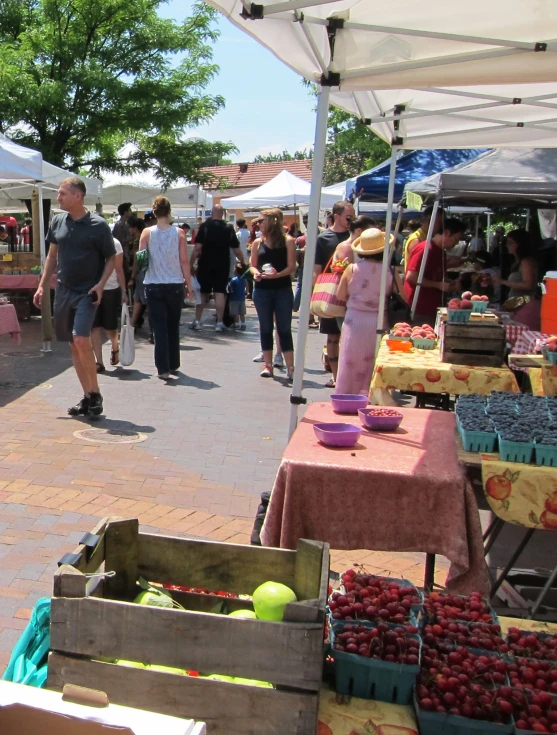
92	620
481	343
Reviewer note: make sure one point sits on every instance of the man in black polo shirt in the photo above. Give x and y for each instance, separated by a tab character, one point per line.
82	248
327	243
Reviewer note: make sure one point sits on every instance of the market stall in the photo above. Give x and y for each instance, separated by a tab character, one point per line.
400	491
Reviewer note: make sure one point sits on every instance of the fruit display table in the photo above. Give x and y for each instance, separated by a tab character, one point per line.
422	371
9	323
397	491
26	282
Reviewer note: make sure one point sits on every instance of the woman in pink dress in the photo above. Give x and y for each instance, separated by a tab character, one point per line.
360	286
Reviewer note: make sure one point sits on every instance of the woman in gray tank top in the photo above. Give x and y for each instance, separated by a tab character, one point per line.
168	268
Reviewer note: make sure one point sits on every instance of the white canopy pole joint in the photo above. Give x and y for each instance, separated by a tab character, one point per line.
318	163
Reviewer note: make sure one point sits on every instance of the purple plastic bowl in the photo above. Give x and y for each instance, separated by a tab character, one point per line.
348	402
379	423
337	435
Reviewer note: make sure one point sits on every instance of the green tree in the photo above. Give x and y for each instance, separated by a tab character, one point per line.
82	79
351	147
284	156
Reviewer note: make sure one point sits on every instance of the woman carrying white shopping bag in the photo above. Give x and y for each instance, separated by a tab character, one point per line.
127	341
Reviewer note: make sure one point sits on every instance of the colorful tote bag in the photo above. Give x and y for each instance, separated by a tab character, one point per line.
324	302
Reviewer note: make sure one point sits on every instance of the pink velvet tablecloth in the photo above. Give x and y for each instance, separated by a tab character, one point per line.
9	323
25	282
399	491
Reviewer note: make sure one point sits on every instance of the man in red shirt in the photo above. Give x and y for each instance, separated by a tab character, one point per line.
434	284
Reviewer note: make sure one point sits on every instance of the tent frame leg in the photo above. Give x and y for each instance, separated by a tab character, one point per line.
318	164
424	259
387	251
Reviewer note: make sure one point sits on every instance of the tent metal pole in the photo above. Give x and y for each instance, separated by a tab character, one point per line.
527	228
477	225
386	251
488	233
424	258
318	164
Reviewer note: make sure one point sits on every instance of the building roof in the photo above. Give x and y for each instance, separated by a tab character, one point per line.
250	175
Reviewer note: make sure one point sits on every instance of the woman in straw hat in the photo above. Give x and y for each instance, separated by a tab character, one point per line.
359	287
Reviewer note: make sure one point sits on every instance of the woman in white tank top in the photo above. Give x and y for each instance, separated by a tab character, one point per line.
168	268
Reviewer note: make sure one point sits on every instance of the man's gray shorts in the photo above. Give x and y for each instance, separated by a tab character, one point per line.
74	314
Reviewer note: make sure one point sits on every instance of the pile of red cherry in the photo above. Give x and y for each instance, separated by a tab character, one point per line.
531	645
367	597
447	634
472	609
395	644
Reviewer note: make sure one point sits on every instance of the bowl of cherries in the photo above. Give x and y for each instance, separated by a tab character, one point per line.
379	418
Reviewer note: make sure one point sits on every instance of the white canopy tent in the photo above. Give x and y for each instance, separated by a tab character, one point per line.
141	197
13	194
418	77
283	190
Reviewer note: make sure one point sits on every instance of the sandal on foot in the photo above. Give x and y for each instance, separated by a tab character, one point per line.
331	383
114	357
100	367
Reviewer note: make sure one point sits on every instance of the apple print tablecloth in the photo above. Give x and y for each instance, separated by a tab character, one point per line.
342	715
543	380
397	491
521	493
422	371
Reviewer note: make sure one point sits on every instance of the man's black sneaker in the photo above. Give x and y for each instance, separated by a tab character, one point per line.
95	404
81	409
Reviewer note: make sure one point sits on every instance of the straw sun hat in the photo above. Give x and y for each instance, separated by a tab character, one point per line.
370	242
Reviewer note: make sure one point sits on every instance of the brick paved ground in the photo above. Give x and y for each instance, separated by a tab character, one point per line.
213	441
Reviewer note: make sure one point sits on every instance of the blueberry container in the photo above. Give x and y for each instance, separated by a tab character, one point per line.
478	441
458	315
510	451
440	723
552	357
546	455
479	307
370	678
421	343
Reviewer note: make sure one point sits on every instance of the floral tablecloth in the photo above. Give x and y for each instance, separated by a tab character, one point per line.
9	323
398	491
343	715
521	493
423	371
543	380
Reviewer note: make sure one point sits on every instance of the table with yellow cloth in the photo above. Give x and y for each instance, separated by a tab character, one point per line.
422	371
343	715
543	380
523	494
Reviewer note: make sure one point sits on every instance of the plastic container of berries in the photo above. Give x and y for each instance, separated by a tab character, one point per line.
478	441
459	315
511	451
546	455
441	723
479	307
421	343
371	678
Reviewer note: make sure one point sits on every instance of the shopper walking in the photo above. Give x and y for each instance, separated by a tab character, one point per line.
109	310
273	259
82	250
168	268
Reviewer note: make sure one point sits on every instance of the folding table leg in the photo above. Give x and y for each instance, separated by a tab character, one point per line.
520	548
493	531
429	572
543	593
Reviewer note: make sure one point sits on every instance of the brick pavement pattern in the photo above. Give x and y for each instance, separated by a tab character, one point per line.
213	439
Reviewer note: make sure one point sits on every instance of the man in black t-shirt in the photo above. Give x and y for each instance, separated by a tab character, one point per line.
327	243
214	242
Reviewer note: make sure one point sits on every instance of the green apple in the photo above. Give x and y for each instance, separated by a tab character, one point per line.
154	598
132	664
242	614
253	682
166	669
270	599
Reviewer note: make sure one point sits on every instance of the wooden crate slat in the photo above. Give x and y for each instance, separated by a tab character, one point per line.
471	359
228	709
480	344
212	565
289	654
476	345
121	551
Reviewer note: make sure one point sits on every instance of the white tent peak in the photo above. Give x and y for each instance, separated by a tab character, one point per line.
284	189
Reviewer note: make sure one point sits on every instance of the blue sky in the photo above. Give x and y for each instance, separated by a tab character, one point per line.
268	110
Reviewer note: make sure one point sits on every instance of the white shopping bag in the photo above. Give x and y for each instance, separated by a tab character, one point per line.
127	341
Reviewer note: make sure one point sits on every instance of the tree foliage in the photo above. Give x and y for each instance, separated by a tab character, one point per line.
351	147
83	79
284	156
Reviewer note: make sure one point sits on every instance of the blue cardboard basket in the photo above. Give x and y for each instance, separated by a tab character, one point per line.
440	723
479	306
402	339
369	678
546	455
552	357
424	344
478	441
458	315
516	451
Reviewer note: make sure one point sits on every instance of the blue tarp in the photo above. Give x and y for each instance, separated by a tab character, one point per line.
413	166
